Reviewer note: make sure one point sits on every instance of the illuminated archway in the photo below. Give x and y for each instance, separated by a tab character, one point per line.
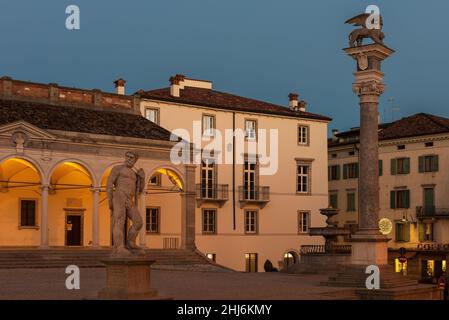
70	204
20	201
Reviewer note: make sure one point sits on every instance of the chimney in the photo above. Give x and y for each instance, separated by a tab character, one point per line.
120	86
334	134
293	98
302	106
175	85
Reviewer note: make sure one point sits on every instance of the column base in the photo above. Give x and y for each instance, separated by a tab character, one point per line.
369	247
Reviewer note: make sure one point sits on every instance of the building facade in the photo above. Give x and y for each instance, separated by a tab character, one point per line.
414	207
58	145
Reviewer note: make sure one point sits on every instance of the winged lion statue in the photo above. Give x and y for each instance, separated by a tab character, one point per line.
356	37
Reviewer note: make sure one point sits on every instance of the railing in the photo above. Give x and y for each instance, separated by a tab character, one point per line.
257	193
322	249
431	211
214	192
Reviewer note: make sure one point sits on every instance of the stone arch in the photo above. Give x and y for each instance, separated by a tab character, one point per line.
168	167
40	171
79	162
295	254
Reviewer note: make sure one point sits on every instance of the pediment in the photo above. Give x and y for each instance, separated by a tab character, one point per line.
31	131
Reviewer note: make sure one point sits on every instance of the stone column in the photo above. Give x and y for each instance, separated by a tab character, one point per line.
96	217
142	209
188	209
369	246
44	216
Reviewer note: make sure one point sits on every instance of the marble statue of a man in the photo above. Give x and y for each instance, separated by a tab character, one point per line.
123	186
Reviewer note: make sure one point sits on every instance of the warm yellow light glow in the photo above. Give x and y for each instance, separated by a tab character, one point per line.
431	268
172	176
400	267
24	162
443	265
78	167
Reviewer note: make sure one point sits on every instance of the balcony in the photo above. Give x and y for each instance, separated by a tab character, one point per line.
432	212
258	195
217	194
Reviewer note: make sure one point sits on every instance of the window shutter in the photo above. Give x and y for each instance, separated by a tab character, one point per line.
407	199
407	232
421	232
380	168
435	163
338	172
421	164
407	165
392	200
397	232
345	171
329	172
393	167
357	170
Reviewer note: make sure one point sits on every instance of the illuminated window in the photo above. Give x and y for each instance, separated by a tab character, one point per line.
430	268
251	262
443	265
289	259
400	267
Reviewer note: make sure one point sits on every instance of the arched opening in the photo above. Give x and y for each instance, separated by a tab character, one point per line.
162	221
70	205
20	198
290	258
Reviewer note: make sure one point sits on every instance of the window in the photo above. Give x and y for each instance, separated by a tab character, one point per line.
333	200
380	168
155	179
334	172
250	129
209	221
400	166
428	144
303	135
250	191
425	231
401	147
303	178
211	256
400	199
251	262
351	153
28	213
251	221
208	125
208	180
152	115
334	155
400	267
428	163
402	231
152	220
303	221
350	197
351	171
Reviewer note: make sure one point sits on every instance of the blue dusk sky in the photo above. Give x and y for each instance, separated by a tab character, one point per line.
255	48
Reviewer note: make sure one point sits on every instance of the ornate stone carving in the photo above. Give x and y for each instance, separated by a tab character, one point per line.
356	37
19	139
372	87
123	187
362	61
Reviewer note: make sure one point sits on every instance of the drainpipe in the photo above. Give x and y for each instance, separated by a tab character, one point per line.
233	169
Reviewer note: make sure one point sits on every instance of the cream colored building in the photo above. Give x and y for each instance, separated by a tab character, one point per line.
414	206
53	170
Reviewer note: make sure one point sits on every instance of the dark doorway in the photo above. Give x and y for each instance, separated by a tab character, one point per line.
73	230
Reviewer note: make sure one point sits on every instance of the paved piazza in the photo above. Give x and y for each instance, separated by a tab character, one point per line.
50	284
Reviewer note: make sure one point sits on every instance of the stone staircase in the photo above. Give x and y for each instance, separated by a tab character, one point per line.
173	259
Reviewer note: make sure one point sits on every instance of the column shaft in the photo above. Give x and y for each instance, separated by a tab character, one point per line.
96	217
44	216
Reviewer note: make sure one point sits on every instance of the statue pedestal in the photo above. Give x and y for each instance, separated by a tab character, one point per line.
369	249
127	278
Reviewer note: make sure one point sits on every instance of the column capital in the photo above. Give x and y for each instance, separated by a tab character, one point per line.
372	88
45	187
95	189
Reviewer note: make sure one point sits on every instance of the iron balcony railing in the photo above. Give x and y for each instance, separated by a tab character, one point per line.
257	193
431	211
322	249
212	192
